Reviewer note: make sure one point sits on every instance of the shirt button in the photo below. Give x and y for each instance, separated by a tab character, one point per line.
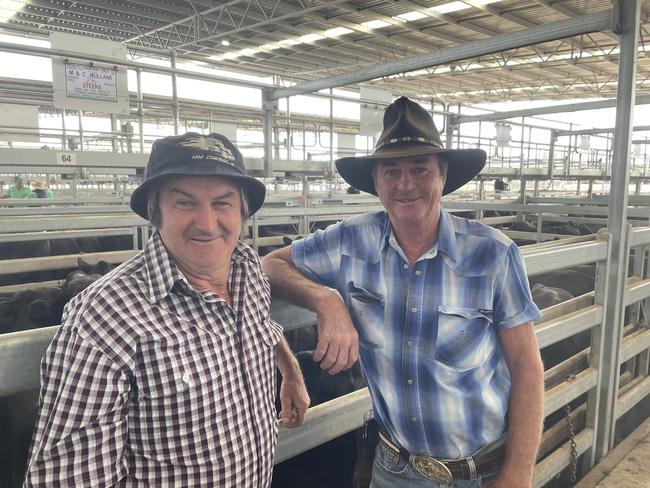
410	343
414	309
418	273
413	419
406	266
409	382
359	313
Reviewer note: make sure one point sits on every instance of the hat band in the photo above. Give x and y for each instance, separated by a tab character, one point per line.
396	140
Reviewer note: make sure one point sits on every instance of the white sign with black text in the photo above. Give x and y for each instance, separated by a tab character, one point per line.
90	82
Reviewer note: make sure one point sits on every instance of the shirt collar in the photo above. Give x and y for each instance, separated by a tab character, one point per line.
446	242
447	236
163	273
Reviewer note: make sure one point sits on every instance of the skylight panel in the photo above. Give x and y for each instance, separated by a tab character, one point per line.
411	16
446	8
484	2
337	31
9	8
289	42
376	24
248	51
270	46
312	37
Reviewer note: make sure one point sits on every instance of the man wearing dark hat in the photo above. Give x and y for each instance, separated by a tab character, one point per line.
162	372
19	190
438	310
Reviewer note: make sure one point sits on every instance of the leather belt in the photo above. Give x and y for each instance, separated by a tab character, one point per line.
447	470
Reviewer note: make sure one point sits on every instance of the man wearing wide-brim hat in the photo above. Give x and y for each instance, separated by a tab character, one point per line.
41	189
163	371
438	310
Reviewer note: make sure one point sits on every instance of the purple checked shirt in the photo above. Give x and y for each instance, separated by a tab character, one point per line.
149	382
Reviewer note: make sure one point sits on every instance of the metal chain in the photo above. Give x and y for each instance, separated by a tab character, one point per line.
572	437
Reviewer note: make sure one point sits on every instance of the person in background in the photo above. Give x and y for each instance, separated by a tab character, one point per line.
162	372
19	190
41	190
438	310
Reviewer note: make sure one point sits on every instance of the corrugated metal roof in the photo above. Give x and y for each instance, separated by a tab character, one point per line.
325	38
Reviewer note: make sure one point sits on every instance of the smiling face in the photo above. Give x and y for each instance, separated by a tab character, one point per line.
410	190
200	222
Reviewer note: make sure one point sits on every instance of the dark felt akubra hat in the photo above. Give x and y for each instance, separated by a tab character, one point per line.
193	154
409	131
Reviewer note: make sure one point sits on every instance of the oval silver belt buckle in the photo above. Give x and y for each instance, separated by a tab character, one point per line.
432	469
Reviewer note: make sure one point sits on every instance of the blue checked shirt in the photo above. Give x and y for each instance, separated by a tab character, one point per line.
428	338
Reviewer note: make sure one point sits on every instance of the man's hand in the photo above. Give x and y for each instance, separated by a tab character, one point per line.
294	400
338	342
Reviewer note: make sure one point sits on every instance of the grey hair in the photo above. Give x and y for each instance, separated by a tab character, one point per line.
153	202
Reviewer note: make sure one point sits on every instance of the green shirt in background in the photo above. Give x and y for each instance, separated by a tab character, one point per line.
24	192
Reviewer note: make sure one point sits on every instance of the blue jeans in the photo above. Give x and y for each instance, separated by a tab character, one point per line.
390	471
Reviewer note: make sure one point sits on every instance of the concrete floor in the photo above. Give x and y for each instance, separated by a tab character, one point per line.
627	466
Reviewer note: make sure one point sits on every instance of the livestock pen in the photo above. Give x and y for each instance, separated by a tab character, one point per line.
585	430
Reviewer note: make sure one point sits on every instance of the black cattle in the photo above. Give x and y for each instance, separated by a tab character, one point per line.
31	309
523	226
577	280
56	247
562	229
335	462
588	229
547	296
24	310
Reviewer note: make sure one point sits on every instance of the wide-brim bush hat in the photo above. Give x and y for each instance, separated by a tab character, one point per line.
193	154
39	185
409	131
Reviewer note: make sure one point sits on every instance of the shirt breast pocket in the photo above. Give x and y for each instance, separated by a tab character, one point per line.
463	340
367	310
172	373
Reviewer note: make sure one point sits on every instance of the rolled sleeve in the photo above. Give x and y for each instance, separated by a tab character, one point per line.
82	430
318	256
513	303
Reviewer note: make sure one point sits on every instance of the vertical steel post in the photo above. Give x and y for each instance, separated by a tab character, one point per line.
289	132
331	165
138	77
551	151
449	128
626	25
64	145
81	131
175	114
522	188
114	132
267	127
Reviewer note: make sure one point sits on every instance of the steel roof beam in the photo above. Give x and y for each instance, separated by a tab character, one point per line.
588	132
525	37
531	112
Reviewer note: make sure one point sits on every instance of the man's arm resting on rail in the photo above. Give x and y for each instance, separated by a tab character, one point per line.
338	342
293	392
526	409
